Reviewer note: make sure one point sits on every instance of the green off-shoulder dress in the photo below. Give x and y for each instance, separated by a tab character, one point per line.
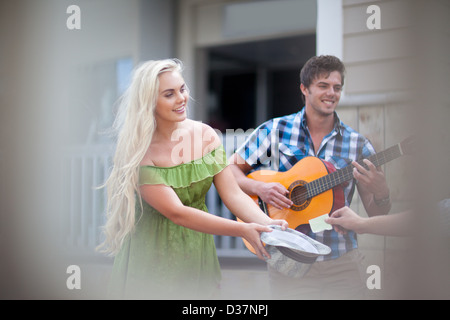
161	259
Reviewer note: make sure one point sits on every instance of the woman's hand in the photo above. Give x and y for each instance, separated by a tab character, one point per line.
260	250
278	222
252	233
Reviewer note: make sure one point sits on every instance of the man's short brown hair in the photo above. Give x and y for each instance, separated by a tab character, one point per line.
320	66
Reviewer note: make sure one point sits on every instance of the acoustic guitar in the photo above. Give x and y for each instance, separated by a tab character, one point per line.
316	187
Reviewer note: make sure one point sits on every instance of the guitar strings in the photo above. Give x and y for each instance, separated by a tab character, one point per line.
301	194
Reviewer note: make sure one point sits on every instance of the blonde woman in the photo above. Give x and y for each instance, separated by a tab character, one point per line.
158	226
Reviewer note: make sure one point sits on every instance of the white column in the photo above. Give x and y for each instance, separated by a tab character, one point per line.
329	28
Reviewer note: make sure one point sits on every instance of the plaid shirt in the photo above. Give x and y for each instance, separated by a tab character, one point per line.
280	143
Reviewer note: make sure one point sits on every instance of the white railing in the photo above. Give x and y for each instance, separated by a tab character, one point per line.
86	168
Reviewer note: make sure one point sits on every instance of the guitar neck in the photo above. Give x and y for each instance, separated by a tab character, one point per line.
342	175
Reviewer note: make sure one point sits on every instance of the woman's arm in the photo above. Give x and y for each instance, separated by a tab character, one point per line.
272	193
166	201
238	202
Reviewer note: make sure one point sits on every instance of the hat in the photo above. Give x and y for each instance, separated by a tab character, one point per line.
292	252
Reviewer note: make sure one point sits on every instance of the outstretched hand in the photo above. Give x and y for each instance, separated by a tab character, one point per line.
345	219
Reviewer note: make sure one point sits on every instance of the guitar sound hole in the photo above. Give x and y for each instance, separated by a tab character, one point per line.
299	195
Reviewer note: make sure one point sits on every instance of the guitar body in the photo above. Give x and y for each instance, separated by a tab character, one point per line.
304	209
315	186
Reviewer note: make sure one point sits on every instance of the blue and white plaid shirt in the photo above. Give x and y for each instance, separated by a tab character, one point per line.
278	144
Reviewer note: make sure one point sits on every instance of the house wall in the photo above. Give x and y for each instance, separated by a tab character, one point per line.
379	103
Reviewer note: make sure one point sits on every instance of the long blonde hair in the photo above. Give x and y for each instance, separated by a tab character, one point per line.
136	124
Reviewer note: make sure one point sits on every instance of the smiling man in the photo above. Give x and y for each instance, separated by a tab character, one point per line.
317	131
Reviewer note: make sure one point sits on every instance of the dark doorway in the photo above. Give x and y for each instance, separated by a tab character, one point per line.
284	92
233	100
237	71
